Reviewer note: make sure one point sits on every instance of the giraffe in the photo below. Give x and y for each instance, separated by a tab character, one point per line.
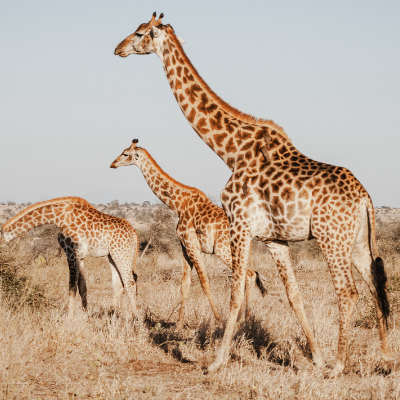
202	228
277	194
85	231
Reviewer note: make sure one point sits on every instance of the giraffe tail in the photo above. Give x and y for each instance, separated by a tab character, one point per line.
379	278
260	284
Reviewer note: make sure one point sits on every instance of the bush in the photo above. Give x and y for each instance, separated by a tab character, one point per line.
16	286
388	238
45	242
144	215
160	235
113	208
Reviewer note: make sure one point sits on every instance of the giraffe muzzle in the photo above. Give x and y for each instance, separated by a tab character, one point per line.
119	52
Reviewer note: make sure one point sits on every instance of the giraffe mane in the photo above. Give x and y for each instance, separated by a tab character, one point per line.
42	204
222	103
169	178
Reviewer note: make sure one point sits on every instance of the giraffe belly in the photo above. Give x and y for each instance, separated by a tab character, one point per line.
99	252
88	248
267	226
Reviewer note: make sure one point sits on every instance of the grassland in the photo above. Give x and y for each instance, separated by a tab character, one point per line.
106	355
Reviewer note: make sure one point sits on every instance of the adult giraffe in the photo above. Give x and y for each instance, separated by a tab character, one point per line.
277	194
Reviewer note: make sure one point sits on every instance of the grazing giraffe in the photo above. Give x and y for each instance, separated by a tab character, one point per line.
277	194
85	231
202	228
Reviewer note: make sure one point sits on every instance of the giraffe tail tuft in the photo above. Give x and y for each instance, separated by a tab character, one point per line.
379	280
260	284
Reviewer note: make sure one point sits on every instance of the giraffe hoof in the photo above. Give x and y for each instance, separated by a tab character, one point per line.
221	360
388	357
319	362
218	322
179	326
335	372
214	367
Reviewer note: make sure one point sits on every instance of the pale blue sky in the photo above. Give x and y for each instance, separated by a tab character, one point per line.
326	71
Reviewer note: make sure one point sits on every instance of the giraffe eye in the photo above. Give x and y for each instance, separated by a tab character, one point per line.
126	155
139	34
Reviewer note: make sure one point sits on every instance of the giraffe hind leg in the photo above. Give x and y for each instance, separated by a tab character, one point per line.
123	264
281	254
185	286
193	257
117	285
338	257
374	276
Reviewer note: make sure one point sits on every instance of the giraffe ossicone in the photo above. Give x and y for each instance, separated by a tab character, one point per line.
85	231
288	197
202	227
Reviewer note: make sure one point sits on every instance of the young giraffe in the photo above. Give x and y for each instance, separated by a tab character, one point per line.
277	194
202	228
85	231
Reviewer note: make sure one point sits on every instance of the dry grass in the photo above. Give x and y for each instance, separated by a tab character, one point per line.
103	354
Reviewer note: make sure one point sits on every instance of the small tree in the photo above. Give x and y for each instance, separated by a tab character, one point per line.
161	234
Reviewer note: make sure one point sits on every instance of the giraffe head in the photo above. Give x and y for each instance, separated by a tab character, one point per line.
133	155
146	39
7	236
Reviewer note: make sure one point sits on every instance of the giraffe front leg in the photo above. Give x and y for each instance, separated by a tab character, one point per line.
73	264
281	254
185	286
193	258
240	247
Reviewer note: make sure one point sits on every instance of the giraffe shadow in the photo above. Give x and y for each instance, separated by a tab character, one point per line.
163	334
304	347
109	313
106	313
266	346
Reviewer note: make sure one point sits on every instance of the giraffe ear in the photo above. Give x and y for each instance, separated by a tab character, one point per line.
156	31
181	41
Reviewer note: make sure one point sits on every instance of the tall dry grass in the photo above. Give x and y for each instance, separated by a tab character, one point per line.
104	354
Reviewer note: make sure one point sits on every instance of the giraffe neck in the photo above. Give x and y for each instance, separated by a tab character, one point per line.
55	211
227	131
41	216
167	189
